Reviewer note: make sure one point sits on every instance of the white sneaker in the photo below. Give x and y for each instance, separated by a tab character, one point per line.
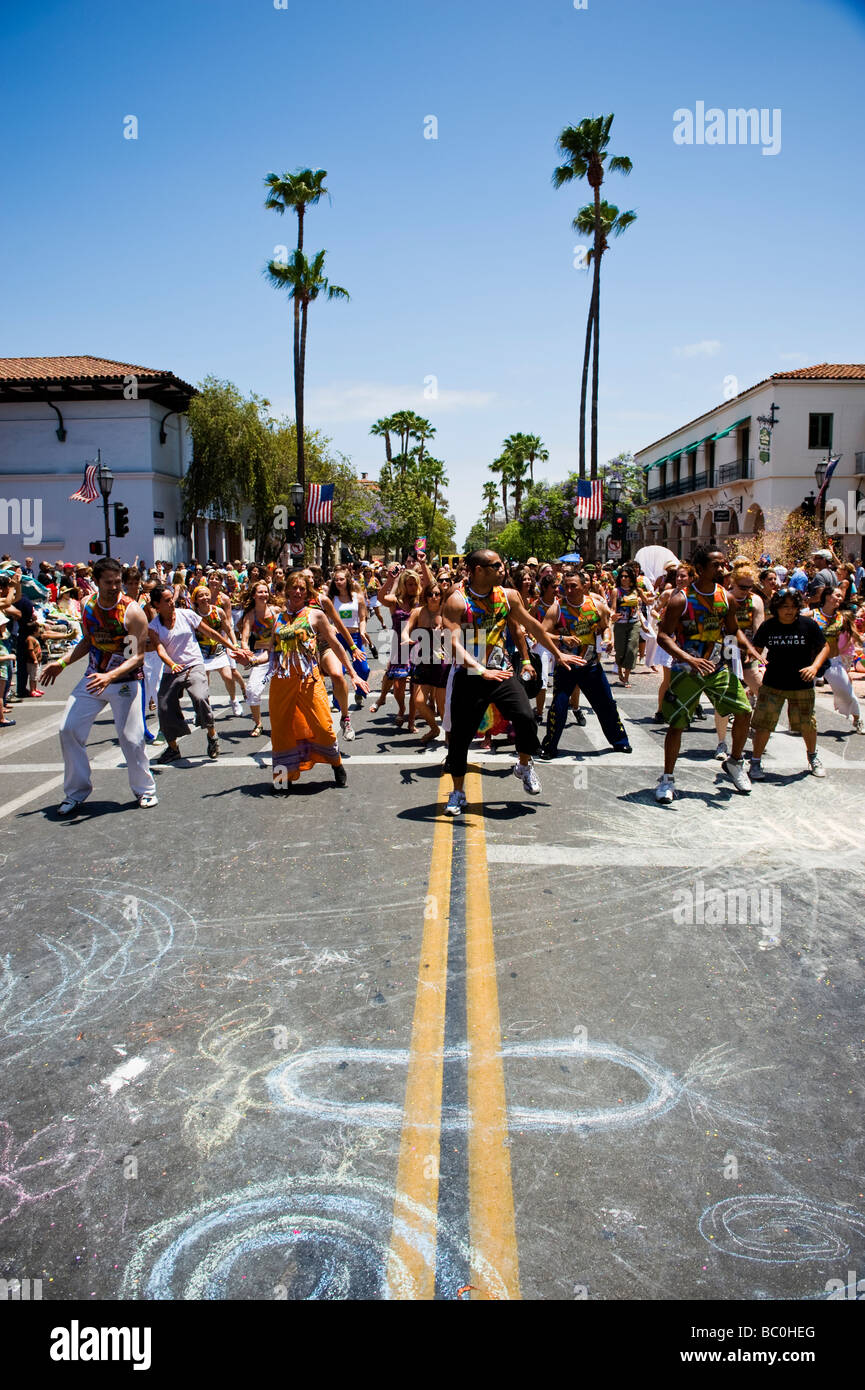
665	791
528	777
347	730
236	707
859	726
722	751
67	808
738	774
456	804
816	765
148	800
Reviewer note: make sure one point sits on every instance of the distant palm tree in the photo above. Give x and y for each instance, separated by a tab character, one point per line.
305	281
584	148
503	465
433	475
296	192
491	501
515	448
613	223
384	428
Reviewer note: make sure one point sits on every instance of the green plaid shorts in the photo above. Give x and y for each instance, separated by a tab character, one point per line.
723	687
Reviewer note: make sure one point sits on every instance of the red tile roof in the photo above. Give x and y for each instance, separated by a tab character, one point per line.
32	369
824	371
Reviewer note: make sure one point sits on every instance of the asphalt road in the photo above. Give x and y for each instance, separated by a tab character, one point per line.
338	1046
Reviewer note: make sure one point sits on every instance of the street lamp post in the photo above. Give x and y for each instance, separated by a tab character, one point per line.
105	479
820	477
614	486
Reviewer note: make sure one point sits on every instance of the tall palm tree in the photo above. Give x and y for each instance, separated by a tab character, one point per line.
433	475
612	223
535	450
422	430
296	192
491	502
515	448
584	148
305	281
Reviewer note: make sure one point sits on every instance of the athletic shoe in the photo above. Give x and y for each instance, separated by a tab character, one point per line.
539	718
340	776
622	747
347	730
236	707
546	755
456	804
816	765
212	746
722	751
168	755
658	718
149	737
756	771
10	724
666	788
738	774
859	726
160	737
358	702
580	718
148	800
68	808
528	777
699	712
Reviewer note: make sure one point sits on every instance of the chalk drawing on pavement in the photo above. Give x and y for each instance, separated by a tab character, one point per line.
781	1230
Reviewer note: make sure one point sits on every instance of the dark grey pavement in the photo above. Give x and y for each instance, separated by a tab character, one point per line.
206	1018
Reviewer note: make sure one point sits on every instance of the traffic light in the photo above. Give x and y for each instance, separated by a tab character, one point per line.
809	506
294	531
95	547
619	526
121	520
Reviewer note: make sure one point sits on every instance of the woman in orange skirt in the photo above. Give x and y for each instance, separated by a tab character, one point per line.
300	723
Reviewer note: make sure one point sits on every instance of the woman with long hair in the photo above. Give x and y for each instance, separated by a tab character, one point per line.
349	600
430	673
301	727
400	593
626	624
256	629
837	625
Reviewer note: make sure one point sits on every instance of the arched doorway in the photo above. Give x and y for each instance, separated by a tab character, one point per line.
755	522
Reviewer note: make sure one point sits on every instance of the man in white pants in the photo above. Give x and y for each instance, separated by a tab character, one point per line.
114	641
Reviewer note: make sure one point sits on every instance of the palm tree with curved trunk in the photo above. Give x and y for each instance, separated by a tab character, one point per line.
584	148
515	448
503	465
383	429
305	281
613	223
295	193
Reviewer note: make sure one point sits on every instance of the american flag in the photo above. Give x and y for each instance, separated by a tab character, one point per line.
319	505
588	501
88	491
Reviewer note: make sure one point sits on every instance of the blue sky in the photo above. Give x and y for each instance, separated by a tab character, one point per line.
458	253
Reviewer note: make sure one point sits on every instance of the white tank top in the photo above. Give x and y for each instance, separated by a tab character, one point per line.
348	610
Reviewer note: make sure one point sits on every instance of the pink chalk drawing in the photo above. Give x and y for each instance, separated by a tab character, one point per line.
41	1166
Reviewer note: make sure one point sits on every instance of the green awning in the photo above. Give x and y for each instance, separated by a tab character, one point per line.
647	468
729	430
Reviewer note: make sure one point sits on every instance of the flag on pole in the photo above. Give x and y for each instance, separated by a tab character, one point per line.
831	465
589	500
88	491
319	505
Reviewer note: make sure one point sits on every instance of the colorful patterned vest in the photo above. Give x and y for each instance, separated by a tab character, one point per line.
294	644
110	643
260	632
213	618
584	625
745	615
485	625
701	625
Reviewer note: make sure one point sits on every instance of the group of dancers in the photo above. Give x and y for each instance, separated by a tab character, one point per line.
469	653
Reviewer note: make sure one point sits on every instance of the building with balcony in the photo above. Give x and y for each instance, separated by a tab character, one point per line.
712	478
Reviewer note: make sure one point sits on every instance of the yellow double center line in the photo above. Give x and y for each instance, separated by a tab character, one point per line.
493	1262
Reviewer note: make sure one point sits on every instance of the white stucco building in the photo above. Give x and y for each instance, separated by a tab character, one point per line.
706	480
55	413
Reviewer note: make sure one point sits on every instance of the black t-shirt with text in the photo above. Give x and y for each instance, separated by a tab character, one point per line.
789	647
